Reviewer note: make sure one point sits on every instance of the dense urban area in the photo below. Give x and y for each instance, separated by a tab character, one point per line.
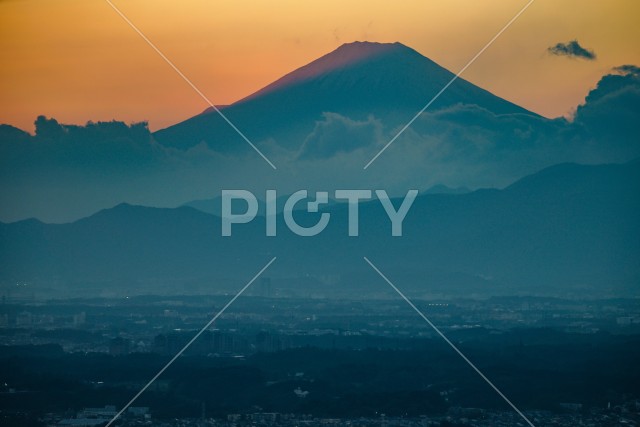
271	361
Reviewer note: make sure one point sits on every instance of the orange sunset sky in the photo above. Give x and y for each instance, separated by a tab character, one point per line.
77	60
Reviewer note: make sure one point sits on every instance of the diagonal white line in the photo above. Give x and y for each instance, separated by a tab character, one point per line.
453	346
153	46
207	326
508	24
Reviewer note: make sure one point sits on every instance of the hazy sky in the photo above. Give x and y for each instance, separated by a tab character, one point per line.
77	60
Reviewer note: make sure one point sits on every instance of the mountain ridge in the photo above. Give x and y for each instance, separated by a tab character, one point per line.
531	238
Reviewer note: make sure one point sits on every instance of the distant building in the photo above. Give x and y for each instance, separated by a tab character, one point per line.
79	319
263	417
90	417
575	407
24	319
627	320
109	411
119	346
265	289
138	412
82	422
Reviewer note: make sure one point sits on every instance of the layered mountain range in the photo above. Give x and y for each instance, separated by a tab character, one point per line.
567	230
560	217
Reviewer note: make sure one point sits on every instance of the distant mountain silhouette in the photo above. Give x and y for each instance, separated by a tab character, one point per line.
388	80
443	189
568	229
214	206
211	109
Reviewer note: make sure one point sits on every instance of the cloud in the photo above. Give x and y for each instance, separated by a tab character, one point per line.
338	134
572	49
68	171
627	69
610	114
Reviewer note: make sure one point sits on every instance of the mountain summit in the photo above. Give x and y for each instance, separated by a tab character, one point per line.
387	80
344	56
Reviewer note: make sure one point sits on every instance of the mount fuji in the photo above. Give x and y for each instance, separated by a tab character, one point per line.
389	81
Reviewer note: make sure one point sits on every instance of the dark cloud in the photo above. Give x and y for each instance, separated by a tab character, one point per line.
611	84
610	116
68	171
102	147
627	69
572	49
